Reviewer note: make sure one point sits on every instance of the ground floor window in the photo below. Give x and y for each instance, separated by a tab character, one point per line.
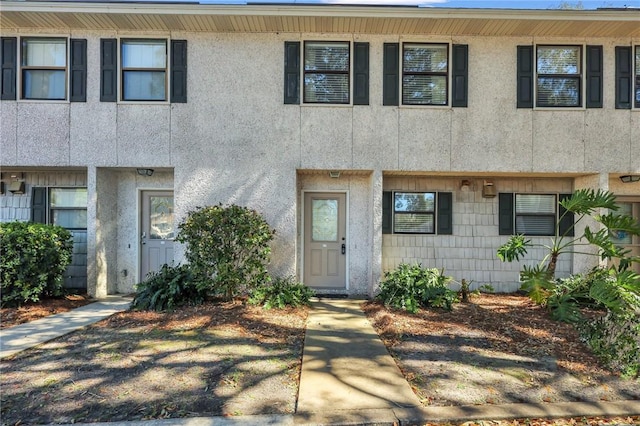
68	207
417	212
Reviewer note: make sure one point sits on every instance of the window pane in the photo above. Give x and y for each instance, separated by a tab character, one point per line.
559	60
415	201
424	90
43	84
637	76
69	197
425	58
421	223
535	225
558	91
622	237
329	56
330	88
535	203
44	52
143	85
161	218
76	219
144	54
324	220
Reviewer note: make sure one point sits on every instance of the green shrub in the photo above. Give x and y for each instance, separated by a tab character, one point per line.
615	339
227	248
34	258
411	287
166	289
280	293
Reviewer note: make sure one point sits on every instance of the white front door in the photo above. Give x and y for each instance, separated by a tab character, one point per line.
325	245
157	231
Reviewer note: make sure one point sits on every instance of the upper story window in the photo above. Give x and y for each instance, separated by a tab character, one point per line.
44	68
326	72
637	93
559	76
144	70
425	74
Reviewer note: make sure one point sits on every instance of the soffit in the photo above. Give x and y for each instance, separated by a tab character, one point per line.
318	19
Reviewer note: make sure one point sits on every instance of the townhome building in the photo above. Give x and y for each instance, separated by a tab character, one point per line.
366	135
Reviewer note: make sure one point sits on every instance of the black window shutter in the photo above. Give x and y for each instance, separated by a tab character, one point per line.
525	77
361	73
387	212
108	69
78	70
460	77
594	76
39	205
624	81
505	213
292	72
390	74
565	227
445	213
9	68
179	71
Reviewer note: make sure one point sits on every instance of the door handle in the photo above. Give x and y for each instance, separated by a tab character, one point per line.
344	248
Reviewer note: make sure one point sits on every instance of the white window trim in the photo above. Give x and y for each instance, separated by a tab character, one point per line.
351	64
583	85
449	45
119	79
67	78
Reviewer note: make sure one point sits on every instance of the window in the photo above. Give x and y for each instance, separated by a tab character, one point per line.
417	213
637	76
68	207
559	74
44	68
535	214
326	72
414	212
424	74
144	70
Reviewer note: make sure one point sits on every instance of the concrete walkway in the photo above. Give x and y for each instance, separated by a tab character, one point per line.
24	336
348	377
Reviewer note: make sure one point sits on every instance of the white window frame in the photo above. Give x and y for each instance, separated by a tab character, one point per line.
349	73
51	209
121	70
21	74
553	215
580	75
433	213
446	74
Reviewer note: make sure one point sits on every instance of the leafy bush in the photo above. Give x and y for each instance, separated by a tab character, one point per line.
411	287
34	259
227	248
280	293
615	339
166	289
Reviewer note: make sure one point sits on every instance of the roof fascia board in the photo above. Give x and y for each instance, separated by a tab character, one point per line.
321	11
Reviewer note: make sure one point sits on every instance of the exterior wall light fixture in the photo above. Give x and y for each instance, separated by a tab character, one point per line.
334	174
630	178
145	172
465	185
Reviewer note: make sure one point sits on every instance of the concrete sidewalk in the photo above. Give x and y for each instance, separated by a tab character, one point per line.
24	336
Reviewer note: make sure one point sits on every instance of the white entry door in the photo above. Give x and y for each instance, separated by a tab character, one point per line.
157	231
325	245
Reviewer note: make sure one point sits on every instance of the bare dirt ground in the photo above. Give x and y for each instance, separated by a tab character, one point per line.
215	359
232	359
498	349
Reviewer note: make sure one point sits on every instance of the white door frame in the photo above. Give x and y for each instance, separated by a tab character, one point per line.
139	212
302	225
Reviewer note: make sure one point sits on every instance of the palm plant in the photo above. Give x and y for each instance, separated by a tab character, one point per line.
618	289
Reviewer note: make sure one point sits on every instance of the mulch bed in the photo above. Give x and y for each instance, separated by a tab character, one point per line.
35	310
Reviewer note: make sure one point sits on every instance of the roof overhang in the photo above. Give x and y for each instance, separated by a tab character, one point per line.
190	17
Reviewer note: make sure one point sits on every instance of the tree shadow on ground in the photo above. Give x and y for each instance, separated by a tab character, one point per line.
216	359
